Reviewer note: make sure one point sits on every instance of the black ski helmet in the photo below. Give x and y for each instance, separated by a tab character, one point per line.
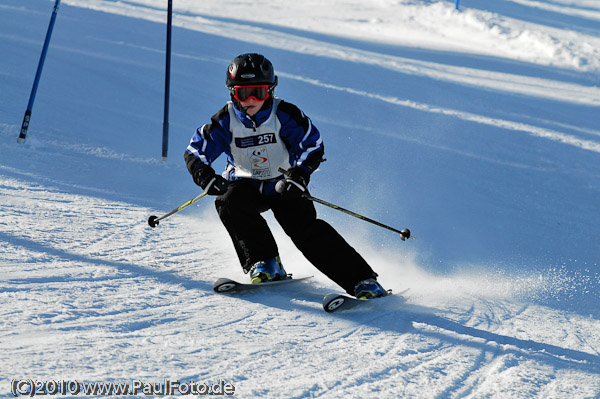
251	69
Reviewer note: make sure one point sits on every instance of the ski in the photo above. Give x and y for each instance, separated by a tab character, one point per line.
226	285
336	302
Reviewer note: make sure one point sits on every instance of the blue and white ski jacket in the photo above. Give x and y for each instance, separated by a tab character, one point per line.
280	136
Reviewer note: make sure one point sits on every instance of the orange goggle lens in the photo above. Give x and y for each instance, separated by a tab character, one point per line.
244	93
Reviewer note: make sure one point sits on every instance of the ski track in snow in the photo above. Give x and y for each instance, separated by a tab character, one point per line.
98	287
429	24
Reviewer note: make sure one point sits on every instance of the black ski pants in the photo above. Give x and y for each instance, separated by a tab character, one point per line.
240	211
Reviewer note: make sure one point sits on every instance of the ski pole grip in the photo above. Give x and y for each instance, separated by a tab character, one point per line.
284	172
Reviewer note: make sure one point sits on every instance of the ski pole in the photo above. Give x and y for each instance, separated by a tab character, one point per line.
153	220
404	233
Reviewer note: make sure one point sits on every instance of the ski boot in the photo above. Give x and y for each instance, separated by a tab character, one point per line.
368	289
269	270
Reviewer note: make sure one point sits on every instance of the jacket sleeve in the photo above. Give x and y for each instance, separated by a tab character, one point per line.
301	136
209	142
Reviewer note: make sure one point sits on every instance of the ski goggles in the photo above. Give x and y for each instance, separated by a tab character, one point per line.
244	93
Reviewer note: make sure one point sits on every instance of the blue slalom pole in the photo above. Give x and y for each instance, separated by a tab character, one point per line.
38	74
456	4
165	142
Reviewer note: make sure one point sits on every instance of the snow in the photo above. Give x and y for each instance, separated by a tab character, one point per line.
476	128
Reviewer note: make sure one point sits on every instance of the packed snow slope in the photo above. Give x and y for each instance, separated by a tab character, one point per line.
476	128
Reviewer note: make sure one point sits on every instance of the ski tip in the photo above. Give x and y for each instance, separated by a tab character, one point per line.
224	285
332	302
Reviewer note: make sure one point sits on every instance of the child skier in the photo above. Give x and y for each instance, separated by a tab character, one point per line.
262	134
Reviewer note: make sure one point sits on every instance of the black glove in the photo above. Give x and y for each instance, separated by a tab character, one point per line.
294	186
213	184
